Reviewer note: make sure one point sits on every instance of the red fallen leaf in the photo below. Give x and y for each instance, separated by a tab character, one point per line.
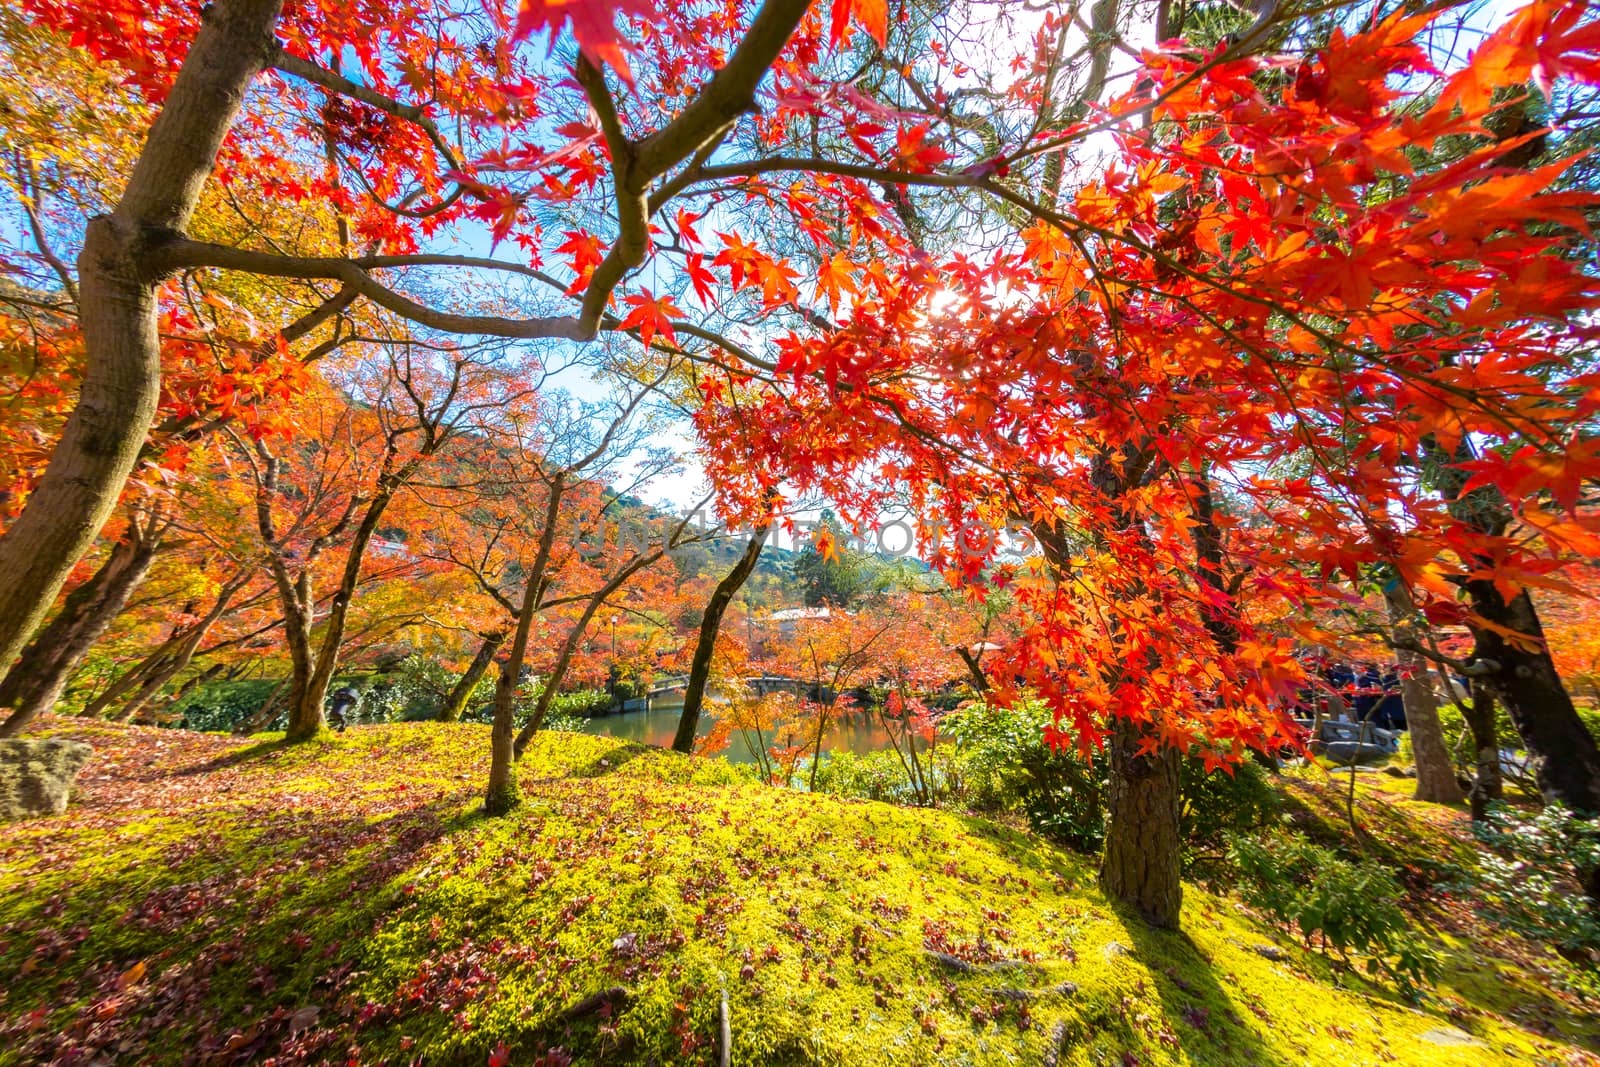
501	1056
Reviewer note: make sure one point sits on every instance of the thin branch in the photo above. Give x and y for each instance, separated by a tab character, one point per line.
340	85
179	253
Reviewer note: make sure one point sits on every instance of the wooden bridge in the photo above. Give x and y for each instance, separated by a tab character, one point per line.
762	684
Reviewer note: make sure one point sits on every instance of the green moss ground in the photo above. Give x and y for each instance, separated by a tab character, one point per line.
216	901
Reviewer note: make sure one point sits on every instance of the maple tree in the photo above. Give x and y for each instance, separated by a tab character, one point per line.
526	520
48	662
705	645
921	655
328	493
831	650
80	123
392	178
1575	641
199	614
1264	271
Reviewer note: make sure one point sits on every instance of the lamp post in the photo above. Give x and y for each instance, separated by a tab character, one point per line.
613	639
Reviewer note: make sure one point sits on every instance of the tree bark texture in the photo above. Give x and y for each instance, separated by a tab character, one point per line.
501	795
117	287
694	692
32	686
455	704
1536	700
1436	774
1142	865
1487	783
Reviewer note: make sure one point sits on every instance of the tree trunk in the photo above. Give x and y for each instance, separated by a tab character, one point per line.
700	667
1480	715
147	678
194	681
569	649
163	673
306	720
134	677
501	796
547	695
824	708
117	287
1524	675
1221	615
1142	866
315	666
267	712
1535	698
1436	775
980	680
456	704
33	685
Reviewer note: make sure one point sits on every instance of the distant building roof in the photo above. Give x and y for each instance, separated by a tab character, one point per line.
792	614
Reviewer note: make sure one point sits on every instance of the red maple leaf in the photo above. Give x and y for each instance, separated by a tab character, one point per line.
704	281
594	26
651	315
873	15
587	253
914	152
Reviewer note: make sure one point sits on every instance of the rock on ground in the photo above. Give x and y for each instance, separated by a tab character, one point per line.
36	775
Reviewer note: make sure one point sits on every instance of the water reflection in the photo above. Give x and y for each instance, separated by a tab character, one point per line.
855	731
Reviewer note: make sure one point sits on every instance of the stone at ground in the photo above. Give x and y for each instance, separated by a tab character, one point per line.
35	776
1347	752
1450	1036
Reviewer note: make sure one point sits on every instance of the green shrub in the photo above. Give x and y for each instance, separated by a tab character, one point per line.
567	710
950	700
1458	739
627	688
1526	881
223	705
581	704
416	692
559	720
1221	802
866	776
1004	764
1350	907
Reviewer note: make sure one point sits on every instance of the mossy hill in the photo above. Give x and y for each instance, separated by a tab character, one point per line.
211	900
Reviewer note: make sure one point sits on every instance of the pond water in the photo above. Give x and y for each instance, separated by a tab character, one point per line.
857	731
